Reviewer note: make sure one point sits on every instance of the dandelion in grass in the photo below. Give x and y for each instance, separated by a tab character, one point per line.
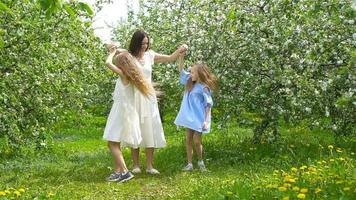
2	193
293	169
347	189
50	194
17	193
286	178
304	190
7	191
295	188
317	190
229	193
339	150
301	196
271	186
282	189
21	190
341	159
331	160
285	198
330	147
291	180
313	169
303	167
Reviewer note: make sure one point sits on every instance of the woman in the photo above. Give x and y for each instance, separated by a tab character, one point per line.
150	120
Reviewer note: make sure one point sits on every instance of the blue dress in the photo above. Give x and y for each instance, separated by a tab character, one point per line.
192	110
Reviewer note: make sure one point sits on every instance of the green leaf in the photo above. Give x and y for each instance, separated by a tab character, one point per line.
2	43
342	101
232	14
45	4
4	7
85	7
69	10
50	11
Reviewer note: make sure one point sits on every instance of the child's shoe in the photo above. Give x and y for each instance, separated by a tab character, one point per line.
136	170
188	168
201	166
113	177
125	177
152	171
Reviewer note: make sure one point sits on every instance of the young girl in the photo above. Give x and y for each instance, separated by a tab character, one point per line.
123	125
195	110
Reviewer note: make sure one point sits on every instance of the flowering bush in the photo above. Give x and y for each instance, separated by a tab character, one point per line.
50	62
279	59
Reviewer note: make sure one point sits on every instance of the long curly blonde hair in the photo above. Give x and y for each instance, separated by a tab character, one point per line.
133	74
204	76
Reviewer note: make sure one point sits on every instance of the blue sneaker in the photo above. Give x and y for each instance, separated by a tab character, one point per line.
125	177
113	177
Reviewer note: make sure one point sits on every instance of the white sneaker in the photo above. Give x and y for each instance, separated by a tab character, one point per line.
188	168
152	171
136	170
202	166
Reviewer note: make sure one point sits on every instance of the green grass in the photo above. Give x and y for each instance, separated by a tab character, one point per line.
76	165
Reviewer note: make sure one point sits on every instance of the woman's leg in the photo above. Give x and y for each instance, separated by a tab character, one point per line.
135	153
149	158
198	145
189	144
115	149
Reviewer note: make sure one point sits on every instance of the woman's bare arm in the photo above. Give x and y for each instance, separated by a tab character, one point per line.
162	58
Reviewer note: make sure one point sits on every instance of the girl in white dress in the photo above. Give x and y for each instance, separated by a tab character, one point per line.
150	120
123	125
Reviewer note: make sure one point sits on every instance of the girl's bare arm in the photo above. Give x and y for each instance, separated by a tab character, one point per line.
110	65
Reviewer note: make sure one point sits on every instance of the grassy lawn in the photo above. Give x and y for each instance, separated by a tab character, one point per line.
303	164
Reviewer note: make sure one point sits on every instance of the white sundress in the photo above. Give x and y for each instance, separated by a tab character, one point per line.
150	120
123	121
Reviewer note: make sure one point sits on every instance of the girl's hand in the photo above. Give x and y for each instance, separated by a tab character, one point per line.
183	48
113	49
205	126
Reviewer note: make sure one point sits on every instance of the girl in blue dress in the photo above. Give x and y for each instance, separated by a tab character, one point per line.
195	110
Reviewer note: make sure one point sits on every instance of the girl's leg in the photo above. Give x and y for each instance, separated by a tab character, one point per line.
149	158
189	144
135	153
115	149
198	145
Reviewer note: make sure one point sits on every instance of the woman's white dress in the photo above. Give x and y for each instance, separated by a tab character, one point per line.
150	120
123	121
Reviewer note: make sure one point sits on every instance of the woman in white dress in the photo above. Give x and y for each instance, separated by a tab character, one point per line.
122	127
150	120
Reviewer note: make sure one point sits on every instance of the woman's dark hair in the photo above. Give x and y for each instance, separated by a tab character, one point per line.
136	42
